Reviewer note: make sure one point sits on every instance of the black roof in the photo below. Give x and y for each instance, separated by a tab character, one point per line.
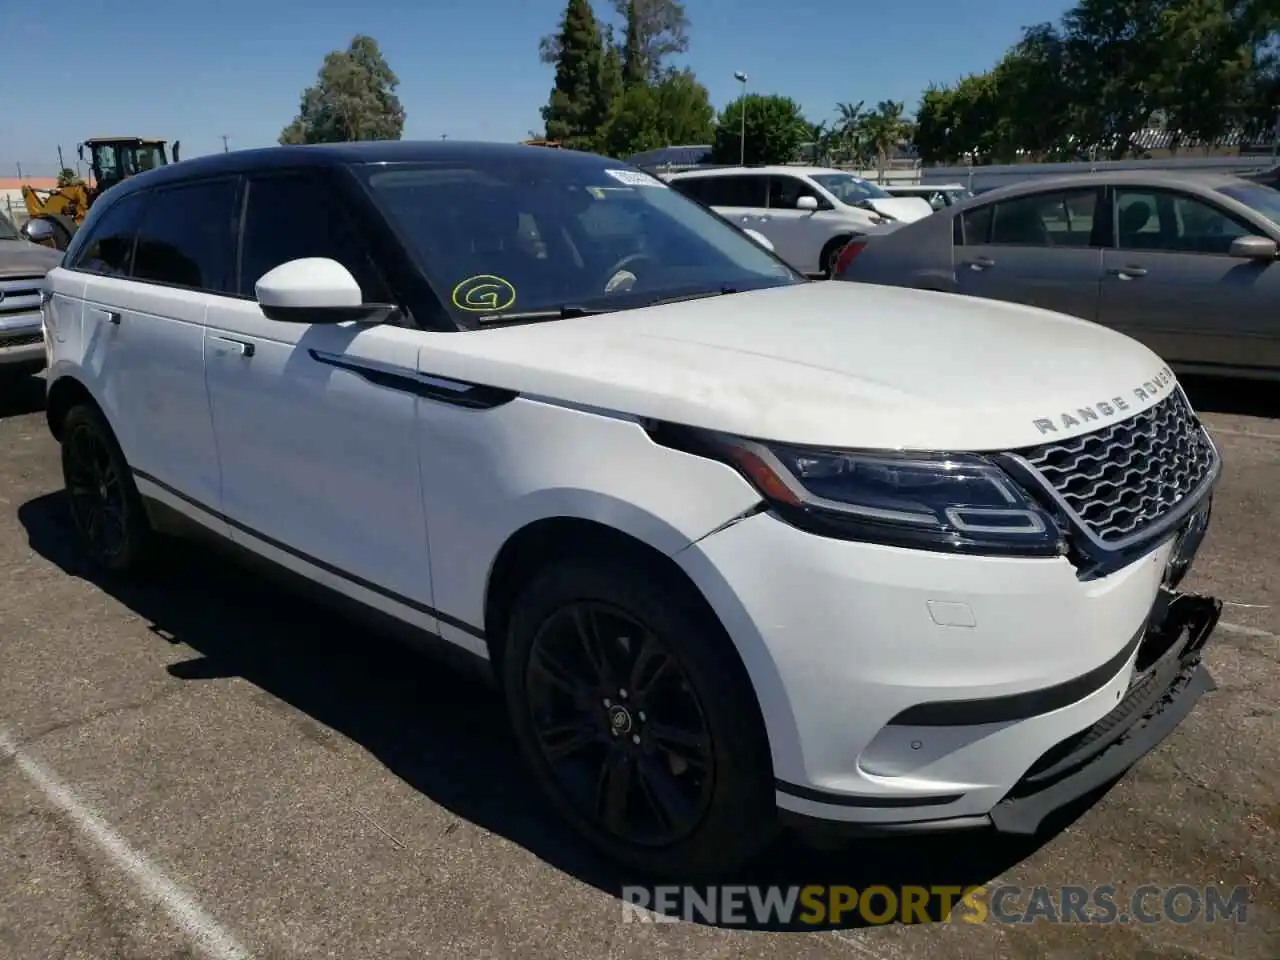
367	151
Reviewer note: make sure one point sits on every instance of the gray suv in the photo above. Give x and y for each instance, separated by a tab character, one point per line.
22	268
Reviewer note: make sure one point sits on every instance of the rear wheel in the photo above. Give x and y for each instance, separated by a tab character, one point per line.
636	724
106	510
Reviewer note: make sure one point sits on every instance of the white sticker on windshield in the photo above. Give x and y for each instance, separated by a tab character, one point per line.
634	178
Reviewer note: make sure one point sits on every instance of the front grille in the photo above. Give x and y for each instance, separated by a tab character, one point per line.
20	295
1122	478
24	340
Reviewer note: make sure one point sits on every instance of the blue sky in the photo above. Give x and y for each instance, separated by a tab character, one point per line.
192	71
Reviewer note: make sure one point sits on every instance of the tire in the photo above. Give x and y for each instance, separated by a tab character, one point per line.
731	793
121	540
829	254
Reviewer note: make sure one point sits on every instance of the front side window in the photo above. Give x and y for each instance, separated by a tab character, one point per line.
785	192
976	225
186	237
284	221
849	189
1167	221
520	234
108	248
1058	219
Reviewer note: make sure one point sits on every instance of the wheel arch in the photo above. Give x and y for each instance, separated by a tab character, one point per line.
542	542
67	391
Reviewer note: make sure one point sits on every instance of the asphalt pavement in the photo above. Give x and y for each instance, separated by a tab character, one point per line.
211	766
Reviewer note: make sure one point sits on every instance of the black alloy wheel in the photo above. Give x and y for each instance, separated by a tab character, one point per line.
96	491
106	510
619	724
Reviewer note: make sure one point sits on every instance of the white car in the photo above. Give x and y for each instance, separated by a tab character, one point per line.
937	195
740	549
808	214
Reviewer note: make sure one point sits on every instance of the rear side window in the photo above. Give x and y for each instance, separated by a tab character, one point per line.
294	216
108	251
1058	219
736	191
187	237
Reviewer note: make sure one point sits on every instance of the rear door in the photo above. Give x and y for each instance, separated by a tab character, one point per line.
1171	283
154	262
740	197
1042	249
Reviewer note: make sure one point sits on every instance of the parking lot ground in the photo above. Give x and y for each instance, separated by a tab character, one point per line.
212	766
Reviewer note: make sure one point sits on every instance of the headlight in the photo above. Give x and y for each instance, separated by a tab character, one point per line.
960	503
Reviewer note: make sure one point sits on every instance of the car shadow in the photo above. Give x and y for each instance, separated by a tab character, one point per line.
21	395
445	734
1251	398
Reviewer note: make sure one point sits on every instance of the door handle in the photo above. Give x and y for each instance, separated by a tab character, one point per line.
230	344
745	219
981	263
111	316
764	219
1127	273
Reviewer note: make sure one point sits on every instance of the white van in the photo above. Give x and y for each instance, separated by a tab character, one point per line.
807	213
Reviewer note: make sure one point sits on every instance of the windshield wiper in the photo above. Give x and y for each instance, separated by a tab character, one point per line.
565	311
700	295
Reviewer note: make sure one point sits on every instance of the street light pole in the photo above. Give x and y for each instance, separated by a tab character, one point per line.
742	103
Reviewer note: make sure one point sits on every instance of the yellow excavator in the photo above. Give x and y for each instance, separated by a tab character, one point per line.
111	159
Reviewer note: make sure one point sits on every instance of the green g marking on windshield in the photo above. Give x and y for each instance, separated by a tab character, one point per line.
484	293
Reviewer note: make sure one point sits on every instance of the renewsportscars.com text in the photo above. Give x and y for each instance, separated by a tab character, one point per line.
823	905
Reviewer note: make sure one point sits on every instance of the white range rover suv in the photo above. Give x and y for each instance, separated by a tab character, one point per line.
740	549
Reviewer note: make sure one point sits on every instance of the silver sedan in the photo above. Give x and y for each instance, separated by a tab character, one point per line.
1186	263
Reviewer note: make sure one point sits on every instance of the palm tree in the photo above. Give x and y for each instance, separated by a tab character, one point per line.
884	129
848	128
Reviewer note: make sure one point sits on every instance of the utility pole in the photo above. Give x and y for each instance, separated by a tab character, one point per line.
61	165
19	171
742	136
225	138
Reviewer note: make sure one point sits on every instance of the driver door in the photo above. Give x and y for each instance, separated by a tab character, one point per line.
315	424
797	235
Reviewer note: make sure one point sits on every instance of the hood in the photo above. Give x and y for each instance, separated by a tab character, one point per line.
830	364
19	258
906	209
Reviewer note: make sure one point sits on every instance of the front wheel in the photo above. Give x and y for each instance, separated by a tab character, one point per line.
830	256
637	726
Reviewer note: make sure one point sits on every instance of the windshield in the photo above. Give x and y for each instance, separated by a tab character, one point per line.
847	188
521	234
1265	200
7	229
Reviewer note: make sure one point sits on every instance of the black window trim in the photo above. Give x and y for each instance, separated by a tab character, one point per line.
1113	219
814	188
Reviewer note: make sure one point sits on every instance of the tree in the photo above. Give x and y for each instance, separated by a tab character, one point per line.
885	127
353	99
656	30
575	109
775	128
677	109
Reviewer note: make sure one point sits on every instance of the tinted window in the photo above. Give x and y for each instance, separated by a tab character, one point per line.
977	225
296	216
1059	219
1170	222
504	233
108	249
735	191
186	238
